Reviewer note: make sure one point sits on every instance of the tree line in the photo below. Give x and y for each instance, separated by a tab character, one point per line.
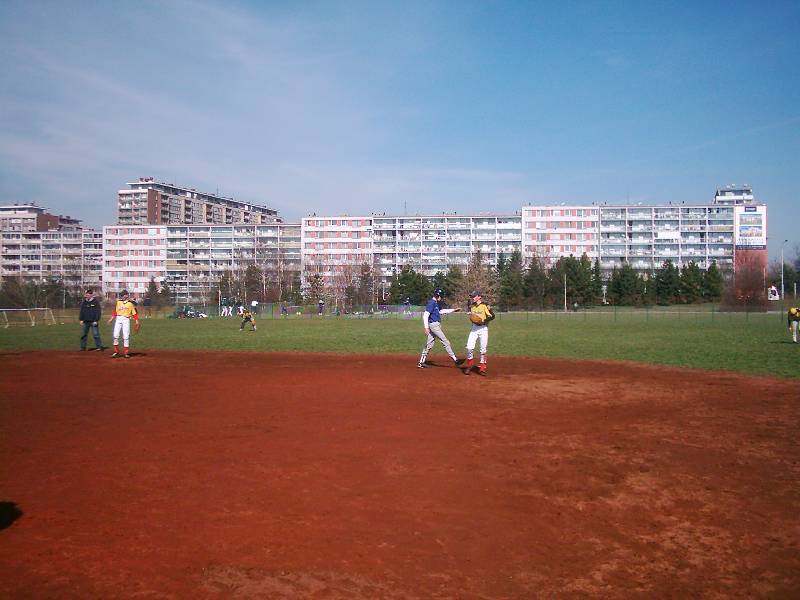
512	284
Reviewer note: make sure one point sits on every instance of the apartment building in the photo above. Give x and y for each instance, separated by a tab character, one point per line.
191	258
553	231
433	243
73	257
132	255
29	217
335	247
198	255
646	236
149	202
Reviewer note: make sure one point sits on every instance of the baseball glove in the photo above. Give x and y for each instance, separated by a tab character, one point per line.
136	326
475	318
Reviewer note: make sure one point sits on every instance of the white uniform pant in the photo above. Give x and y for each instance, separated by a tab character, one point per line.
795	326
478	332
122	324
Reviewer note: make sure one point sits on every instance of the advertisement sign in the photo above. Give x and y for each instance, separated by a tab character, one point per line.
750	224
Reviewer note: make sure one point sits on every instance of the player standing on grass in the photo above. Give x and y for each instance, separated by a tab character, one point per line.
479	314
793	320
124	311
247	317
431	322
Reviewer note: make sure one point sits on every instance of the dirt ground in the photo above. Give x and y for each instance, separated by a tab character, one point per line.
210	475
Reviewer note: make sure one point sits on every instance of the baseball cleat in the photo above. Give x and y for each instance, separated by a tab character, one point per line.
482	369
460	361
115	355
422	366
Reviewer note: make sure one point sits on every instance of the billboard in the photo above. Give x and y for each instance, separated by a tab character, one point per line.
750	227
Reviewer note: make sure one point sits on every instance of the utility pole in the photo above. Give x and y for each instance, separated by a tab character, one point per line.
782	244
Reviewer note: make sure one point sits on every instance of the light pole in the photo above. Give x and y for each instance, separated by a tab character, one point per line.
782	244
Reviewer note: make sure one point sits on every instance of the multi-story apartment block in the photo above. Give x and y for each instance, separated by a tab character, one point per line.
335	248
432	244
73	257
198	255
29	217
191	258
646	236
554	231
133	255
149	202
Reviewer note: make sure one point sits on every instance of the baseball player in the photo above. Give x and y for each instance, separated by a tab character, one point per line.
793	321
247	317
431	322
124	311
479	314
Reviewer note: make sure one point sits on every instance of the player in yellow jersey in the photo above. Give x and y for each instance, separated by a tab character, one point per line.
479	315
124	311
247	317
793	320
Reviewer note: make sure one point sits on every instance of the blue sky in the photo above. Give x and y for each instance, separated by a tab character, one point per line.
355	107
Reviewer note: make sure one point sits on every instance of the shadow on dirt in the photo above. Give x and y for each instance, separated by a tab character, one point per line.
8	514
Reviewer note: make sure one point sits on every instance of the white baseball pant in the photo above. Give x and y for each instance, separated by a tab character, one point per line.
436	332
122	324
478	332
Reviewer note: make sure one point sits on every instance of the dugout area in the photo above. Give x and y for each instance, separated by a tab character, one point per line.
258	475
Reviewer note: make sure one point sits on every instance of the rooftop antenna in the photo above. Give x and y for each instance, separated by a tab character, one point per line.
405	207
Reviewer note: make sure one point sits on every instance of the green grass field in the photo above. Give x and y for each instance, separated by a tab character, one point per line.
755	343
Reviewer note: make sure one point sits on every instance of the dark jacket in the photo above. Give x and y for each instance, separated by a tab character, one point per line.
90	310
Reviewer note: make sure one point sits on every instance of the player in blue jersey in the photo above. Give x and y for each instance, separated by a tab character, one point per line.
432	322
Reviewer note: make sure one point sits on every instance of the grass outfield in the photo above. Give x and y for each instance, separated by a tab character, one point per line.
756	343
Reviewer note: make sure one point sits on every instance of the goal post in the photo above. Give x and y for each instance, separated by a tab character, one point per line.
30	317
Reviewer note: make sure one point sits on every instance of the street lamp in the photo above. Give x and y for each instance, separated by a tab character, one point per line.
784	242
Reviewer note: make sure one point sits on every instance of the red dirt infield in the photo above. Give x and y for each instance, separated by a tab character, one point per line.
225	475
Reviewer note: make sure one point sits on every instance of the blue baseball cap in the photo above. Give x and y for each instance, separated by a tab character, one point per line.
438	292
475	293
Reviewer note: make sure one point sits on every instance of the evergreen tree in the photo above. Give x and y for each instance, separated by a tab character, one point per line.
502	264
649	294
626	287
510	291
535	283
712	283
582	276
152	293
165	295
597	283
691	281
454	281
667	284
410	284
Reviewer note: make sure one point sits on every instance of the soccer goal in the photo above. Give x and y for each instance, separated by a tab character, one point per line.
13	317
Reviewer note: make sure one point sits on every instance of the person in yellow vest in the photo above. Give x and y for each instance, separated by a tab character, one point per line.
124	311
793	320
479	315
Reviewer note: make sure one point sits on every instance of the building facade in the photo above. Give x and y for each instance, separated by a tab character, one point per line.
73	257
29	217
191	258
148	202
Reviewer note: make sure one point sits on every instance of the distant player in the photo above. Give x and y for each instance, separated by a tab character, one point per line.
793	320
247	317
124	311
479	314
431	322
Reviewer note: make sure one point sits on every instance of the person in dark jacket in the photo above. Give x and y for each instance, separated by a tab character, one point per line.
89	316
